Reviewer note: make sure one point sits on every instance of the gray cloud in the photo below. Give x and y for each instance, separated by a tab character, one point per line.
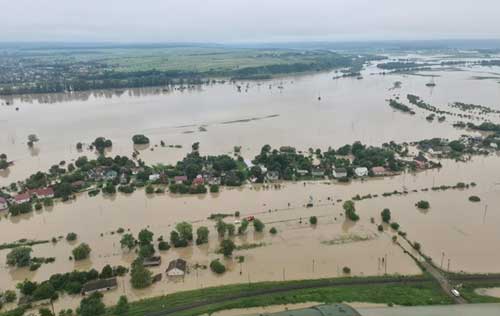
246	20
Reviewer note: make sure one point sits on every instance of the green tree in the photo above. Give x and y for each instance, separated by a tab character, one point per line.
71	237
424	205
386	215
145	237
217	267
128	241
273	231
44	291
221	227
227	247
150	189
243	227
146	251
81	252
92	305
140	277
45	312
10	296
185	230
140	139
122	306
107	272
258	225
350	211
313	220
202	235
20	257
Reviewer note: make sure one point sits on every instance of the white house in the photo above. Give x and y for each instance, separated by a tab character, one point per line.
177	268
154	177
361	172
3	204
272	175
339	173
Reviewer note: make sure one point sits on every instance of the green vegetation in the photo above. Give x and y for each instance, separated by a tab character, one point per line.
350	211
258	225
273	231
47	70
217	267
422	293
92	305
71	237
19	257
400	106
140	139
424	205
140	277
386	215
202	235
474	198
313	220
227	247
81	252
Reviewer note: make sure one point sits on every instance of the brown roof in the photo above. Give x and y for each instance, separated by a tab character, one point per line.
22	196
177	264
151	262
99	285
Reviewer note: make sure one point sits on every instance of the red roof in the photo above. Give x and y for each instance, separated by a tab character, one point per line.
22	197
44	192
198	180
2	200
180	178
378	170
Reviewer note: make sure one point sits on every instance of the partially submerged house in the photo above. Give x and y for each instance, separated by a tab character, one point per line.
177	267
339	173
272	176
99	286
379	171
22	198
3	204
180	179
152	262
361	172
318	173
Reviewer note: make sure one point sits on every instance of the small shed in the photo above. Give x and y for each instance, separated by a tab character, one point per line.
177	268
152	262
99	286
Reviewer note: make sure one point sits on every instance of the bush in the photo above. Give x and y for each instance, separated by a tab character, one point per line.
394	225
313	220
71	237
474	198
9	296
380	228
350	211
217	267
424	205
346	270
227	247
140	139
150	189
20	257
81	252
237	214
214	188
163	245
273	231
258	225
386	215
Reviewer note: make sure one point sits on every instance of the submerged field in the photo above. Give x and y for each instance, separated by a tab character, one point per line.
313	111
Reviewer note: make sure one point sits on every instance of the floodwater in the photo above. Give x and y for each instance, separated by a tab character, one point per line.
447	310
453	229
349	110
493	291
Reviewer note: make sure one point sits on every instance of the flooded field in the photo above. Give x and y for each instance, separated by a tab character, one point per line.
455	232
349	110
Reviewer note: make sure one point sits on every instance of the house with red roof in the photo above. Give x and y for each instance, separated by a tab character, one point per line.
180	179
43	193
198	180
22	198
3	204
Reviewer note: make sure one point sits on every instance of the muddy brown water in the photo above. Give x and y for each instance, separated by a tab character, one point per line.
453	225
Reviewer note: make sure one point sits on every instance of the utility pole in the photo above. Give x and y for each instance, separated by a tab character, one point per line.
442	259
385	263
313	266
448	265
283	274
485	210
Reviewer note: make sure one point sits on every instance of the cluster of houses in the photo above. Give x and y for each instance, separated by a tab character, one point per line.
176	268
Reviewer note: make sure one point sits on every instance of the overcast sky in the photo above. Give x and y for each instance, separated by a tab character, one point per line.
246	20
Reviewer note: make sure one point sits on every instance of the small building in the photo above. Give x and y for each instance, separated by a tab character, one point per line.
3	204
198	180
339	173
302	172
123	178
214	180
361	171
177	267
22	198
180	179
99	286
77	185
493	145
379	171
154	177
152	262
272	176
318	173
110	175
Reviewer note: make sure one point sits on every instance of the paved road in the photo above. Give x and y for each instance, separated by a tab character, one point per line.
443	282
